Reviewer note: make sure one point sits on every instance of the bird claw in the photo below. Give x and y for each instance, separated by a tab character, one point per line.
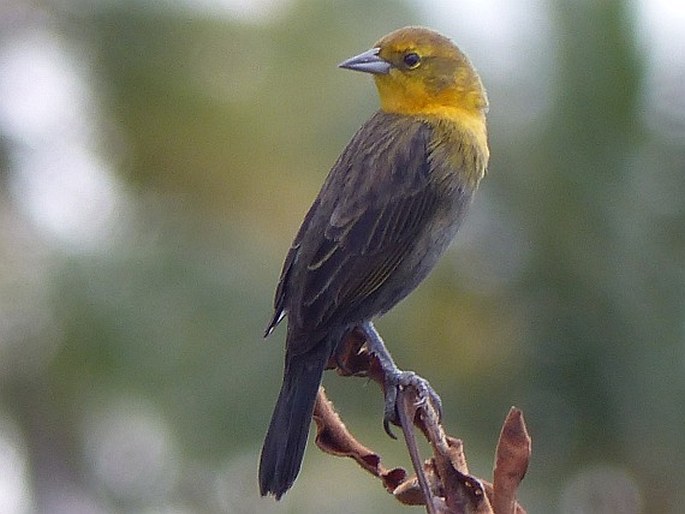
397	380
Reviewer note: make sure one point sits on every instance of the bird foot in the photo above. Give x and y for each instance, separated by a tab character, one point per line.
395	380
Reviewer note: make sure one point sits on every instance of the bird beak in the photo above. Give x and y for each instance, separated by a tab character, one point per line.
368	62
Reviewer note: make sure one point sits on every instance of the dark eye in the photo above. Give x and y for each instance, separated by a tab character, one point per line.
412	60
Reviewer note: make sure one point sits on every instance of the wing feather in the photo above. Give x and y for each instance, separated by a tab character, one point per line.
375	204
386	199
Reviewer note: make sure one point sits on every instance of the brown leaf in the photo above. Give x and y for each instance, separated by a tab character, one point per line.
446	479
409	492
351	359
333	437
463	493
511	462
456	454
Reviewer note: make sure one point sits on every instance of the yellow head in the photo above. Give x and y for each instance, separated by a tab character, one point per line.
421	72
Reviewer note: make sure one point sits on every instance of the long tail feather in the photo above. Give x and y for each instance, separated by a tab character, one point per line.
286	438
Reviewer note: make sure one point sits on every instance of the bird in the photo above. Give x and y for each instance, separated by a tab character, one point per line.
388	209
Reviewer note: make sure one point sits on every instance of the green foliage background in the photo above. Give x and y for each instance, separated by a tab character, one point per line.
138	380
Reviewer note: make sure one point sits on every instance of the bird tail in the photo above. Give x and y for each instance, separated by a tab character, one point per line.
286	438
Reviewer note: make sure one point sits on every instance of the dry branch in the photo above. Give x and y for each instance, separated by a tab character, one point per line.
442	483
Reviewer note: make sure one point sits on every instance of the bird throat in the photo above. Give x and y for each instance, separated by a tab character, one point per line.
465	107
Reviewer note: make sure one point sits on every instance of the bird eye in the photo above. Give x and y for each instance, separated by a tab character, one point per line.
412	60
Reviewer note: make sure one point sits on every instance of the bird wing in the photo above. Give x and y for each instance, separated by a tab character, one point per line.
371	209
283	282
351	264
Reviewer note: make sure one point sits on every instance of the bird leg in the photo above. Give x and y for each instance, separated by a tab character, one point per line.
396	379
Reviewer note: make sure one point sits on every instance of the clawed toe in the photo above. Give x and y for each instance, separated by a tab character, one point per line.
398	380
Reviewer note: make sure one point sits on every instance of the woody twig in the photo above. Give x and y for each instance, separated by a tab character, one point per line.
442	482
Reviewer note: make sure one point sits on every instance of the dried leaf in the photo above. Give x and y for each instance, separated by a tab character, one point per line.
409	492
446	479
511	462
333	437
462	493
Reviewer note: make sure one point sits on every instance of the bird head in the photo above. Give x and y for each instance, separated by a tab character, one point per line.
421	72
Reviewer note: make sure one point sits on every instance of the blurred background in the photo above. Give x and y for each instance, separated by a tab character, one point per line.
156	159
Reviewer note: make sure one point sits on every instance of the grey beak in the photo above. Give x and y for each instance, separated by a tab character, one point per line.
368	62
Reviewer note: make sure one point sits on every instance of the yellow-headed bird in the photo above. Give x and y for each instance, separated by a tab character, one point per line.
388	209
